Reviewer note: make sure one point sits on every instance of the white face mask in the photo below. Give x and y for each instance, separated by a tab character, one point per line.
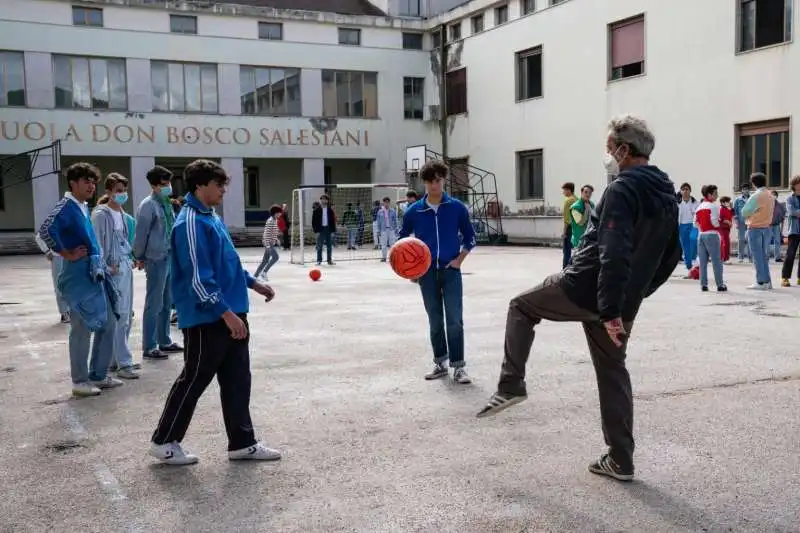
611	164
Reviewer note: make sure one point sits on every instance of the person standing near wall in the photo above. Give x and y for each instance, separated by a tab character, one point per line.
568	190
151	248
387	227
793	212
709	244
323	223
580	212
687	206
758	215
741	225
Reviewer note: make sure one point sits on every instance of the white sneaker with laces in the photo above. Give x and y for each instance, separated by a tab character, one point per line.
108	383
83	390
172	453
256	452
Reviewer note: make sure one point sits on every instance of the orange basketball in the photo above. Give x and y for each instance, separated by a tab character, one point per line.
314	274
410	258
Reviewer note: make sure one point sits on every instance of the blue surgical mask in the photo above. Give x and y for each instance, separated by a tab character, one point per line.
166	191
121	198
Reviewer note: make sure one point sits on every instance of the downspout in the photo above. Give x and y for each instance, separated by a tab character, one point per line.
443	89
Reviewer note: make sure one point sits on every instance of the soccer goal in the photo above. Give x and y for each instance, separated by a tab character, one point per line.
353	206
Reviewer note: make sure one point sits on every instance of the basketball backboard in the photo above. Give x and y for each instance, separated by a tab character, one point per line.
415	157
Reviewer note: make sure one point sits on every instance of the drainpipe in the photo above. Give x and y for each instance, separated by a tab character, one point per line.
443	89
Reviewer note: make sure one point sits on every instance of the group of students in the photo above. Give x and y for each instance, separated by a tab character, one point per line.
190	256
705	228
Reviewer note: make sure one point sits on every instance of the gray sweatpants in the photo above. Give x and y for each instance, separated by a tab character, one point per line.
548	301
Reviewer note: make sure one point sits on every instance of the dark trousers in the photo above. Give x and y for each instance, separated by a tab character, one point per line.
325	237
548	301
566	247
287	243
442	295
210	350
791	252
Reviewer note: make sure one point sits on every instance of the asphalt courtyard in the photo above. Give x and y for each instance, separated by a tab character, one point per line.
369	446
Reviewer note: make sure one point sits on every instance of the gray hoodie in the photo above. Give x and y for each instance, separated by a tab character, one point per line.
150	242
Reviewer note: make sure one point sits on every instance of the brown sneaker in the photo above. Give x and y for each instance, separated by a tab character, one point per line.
785	283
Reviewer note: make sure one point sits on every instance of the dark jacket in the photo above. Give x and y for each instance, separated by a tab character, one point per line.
316	220
630	248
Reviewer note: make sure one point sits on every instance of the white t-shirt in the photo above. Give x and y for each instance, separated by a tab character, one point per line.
686	212
117	220
325	217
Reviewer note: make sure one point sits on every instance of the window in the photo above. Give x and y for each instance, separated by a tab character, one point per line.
437	38
183	24
271	31
764	147
412	41
528	6
89	83
500	15
477	23
456	91
764	22
184	87
530	175
251	184
410	8
270	91
12	79
87	16
455	31
413	97
626	40
529	73
350	36
349	94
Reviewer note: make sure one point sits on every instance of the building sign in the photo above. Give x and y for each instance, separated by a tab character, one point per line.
105	133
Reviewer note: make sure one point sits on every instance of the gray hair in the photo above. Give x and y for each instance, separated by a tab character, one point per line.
633	131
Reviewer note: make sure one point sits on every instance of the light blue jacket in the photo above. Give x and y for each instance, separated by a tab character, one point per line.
150	242
380	220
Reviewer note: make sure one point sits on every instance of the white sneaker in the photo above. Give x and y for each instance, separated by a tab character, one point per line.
256	452
108	383
83	390
127	373
760	286
172	453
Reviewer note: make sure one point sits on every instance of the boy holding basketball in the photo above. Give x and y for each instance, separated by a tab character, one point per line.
443	224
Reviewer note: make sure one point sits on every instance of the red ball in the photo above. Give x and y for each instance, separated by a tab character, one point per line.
410	258
314	274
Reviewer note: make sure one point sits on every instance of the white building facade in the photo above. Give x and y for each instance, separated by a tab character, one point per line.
280	97
283	97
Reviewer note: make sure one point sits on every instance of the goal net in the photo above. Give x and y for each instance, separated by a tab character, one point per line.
353	206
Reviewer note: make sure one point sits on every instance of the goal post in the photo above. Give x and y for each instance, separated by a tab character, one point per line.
352	205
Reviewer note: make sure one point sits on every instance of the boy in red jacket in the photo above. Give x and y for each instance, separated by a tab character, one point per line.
725	224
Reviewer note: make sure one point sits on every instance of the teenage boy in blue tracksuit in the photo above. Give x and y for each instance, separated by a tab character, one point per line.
81	279
210	287
443	224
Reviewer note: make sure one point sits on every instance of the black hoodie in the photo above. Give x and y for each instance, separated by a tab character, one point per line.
630	247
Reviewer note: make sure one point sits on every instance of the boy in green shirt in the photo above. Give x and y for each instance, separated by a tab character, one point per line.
580	212
568	189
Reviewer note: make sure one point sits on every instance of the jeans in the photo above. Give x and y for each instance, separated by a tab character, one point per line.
157	306
56	264
387	239
759	239
80	338
777	237
270	258
566	247
791	252
352	234
442	294
709	248
688	244
376	235
324	237
744	251
548	301
122	355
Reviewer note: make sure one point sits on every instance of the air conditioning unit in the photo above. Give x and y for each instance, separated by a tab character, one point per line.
433	112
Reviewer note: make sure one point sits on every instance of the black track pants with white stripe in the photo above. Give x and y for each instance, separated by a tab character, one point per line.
210	351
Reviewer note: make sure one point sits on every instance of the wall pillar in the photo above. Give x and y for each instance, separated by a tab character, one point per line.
139	186
232	211
45	188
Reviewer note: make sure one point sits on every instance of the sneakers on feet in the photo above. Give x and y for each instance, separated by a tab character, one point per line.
83	390
785	283
172	454
171	348
606	466
439	371
256	452
722	288
127	373
108	383
460	376
704	288
760	286
155	354
500	401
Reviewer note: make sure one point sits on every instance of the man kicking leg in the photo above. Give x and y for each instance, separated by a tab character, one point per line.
630	248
